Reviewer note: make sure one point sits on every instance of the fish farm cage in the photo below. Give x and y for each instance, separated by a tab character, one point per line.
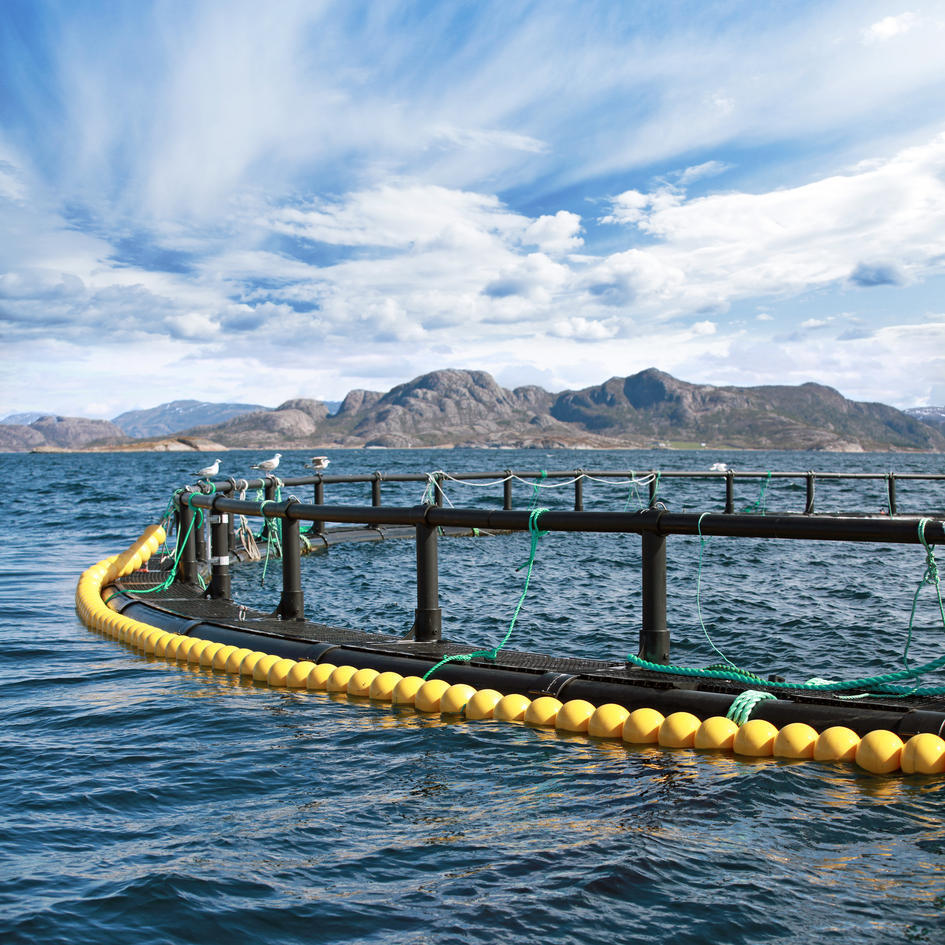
181	608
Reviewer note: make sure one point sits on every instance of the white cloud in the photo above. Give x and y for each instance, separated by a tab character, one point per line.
701	171
888	27
556	233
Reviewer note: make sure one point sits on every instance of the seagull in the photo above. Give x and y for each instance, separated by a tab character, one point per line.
318	462
268	465
209	471
718	467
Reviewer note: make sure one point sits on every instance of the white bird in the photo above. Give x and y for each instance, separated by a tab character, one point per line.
268	465
718	467
318	462
209	471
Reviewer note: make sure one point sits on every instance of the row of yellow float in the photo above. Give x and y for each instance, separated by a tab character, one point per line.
880	751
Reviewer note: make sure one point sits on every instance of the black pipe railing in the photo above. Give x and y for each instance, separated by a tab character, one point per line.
653	524
650	478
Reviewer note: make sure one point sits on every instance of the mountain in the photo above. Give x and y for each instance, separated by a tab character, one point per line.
58	433
806	417
178	415
468	408
293	423
933	416
21	419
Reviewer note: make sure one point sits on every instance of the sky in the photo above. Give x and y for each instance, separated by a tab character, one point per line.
250	202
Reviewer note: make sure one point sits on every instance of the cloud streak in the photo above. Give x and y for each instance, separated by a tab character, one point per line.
323	196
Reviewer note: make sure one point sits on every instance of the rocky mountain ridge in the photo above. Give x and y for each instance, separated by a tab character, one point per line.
468	408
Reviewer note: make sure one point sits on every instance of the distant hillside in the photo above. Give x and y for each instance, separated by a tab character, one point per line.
179	415
58	433
459	408
468	408
933	416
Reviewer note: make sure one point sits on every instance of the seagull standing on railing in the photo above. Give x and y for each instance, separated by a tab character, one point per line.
318	462
268	465
209	471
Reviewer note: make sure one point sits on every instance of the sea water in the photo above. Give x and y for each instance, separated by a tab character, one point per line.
147	802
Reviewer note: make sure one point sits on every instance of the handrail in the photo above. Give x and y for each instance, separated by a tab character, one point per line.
653	524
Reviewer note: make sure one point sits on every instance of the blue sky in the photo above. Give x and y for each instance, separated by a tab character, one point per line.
252	202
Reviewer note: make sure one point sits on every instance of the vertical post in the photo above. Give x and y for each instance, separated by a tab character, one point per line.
579	491
437	491
809	505
187	567
292	602
318	528
891	490
654	485
269	526
507	490
219	556
376	490
730	491
654	637
428	618
200	538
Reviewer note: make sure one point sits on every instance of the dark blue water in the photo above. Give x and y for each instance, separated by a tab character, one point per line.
143	802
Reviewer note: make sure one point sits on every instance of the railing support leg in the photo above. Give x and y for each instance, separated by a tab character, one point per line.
654	637
428	619
292	603
809	505
507	491
318	528
219	556
376	490
891	490
579	492
187	567
729	492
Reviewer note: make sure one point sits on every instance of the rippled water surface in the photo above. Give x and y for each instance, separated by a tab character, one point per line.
143	802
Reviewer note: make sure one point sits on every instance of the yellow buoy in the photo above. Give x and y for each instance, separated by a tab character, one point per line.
482	704
207	654
543	711
455	698
837	743
338	680
755	738
715	734
262	666
298	674
796	740
879	751
406	690
360	683
235	660
319	676
923	754
382	687
278	672
679	730
642	727
249	662
151	639
429	694
222	655
511	708
167	647
575	716
608	721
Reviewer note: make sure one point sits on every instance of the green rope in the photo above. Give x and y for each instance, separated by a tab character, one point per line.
493	653
882	683
536	488
702	543
744	704
178	553
762	498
